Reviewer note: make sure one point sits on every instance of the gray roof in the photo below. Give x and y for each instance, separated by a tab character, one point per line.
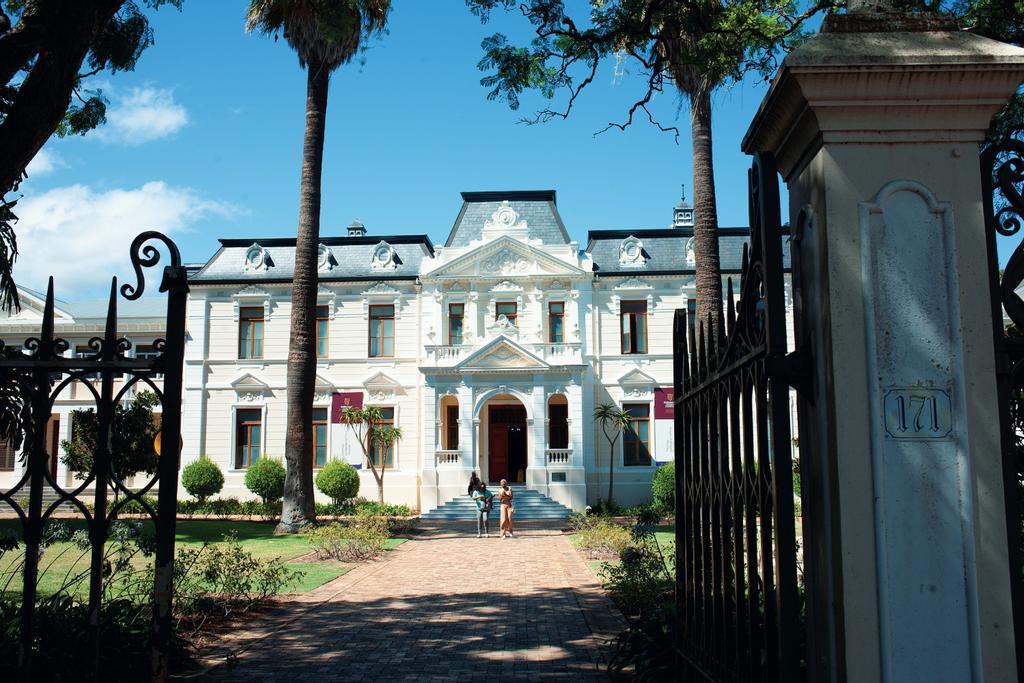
664	249
352	259
537	207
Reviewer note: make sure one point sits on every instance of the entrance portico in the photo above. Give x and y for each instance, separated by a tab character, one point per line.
518	418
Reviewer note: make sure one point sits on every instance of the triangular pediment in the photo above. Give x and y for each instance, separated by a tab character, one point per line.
504	257
636	378
380	381
502	354
322	383
249	382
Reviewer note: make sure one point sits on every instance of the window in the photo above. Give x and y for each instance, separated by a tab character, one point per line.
558	425
451	427
84	355
382	331
247	437
319	437
556	322
636	441
507	309
387	420
455	314
634	326
323	317
7	456
250	332
147	351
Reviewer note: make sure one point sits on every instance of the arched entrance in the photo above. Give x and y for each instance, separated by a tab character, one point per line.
506	439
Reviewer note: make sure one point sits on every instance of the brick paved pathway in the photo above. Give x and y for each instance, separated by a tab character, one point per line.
443	608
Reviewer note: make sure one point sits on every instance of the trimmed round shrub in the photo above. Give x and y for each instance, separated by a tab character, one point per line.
663	486
338	480
202	479
265	478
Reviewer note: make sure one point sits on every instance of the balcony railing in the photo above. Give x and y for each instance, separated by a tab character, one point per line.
451	354
559	456
447	457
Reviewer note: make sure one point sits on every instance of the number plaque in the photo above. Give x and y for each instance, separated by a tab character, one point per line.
917	413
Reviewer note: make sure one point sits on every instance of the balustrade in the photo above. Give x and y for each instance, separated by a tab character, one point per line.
448	457
559	456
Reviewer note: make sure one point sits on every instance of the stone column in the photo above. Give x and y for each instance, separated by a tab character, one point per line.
429	494
876	134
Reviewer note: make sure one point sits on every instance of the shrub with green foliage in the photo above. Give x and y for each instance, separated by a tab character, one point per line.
265	478
663	487
202	478
361	539
338	480
598	536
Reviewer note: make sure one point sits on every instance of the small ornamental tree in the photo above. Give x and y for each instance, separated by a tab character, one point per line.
663	486
338	480
133	431
265	478
367	425
202	478
613	421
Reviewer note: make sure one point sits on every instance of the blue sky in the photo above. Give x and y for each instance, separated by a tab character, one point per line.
204	141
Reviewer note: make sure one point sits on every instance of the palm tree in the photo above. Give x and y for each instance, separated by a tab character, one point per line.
611	417
324	34
373	436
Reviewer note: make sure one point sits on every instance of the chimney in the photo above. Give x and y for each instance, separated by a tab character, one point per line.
356	229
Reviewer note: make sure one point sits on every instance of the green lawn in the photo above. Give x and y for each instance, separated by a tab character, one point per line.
63	559
665	534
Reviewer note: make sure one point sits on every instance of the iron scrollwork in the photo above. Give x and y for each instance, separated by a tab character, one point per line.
1002	181
43	372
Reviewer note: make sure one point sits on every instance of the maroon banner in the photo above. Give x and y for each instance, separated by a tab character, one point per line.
342	400
663	406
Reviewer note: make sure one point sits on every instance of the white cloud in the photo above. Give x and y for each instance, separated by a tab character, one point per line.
143	115
45	161
81	235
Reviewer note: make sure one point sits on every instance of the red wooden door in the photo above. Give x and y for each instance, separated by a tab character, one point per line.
497	444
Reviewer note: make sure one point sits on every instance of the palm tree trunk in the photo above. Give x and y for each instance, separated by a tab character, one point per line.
611	466
298	509
705	211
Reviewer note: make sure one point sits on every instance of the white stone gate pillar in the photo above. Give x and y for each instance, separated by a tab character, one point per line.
876	134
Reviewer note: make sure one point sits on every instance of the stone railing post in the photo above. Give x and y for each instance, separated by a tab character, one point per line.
875	124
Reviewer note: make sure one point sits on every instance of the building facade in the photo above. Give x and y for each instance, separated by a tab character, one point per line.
490	352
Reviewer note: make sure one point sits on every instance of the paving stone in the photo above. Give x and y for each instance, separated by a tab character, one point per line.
446	607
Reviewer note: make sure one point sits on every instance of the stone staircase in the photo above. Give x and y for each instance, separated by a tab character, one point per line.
529	504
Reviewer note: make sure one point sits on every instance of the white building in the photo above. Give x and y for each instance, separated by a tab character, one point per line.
490	352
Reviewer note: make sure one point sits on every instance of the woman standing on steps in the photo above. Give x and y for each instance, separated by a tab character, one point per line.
474	484
505	498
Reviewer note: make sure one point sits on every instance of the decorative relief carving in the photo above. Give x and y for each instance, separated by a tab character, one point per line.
505	218
505	262
506	286
633	283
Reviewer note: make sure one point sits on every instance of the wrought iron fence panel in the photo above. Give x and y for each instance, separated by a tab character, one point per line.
1002	182
42	372
736	582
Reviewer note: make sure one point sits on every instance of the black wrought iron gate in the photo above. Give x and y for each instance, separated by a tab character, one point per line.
1002	182
42	372
736	584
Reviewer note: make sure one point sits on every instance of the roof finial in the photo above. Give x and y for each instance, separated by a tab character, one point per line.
683	197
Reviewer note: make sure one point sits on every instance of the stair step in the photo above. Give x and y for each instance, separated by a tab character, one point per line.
529	504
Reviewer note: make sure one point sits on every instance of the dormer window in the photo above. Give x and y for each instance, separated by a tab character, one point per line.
631	253
383	257
256	259
324	258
